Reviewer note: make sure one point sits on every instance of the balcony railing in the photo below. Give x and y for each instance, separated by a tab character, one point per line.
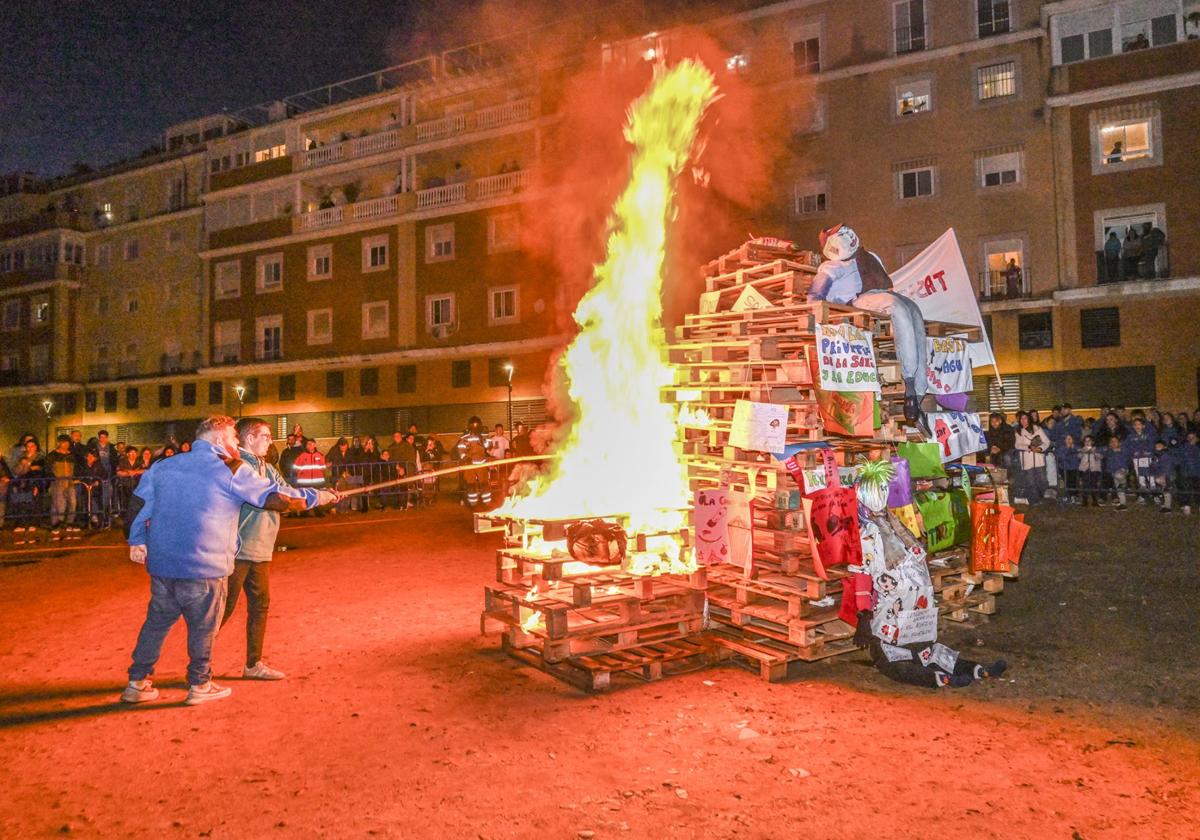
441	196
227	354
356	147
171	363
444	127
506	184
1005	285
508	112
372	208
1130	264
268	353
100	371
909	39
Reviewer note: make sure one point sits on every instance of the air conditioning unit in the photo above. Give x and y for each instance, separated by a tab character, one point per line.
442	330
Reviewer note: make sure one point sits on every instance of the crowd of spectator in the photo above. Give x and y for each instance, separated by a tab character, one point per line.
1152	456
81	485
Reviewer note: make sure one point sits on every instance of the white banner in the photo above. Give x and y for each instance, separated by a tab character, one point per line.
948	369
846	359
938	281
957	433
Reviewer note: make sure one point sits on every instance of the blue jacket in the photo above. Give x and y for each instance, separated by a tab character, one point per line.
1068	459
1072	425
1163	465
1170	435
189	519
258	528
1140	446
1189	460
1116	460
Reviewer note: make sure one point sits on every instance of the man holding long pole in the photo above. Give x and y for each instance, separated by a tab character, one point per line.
184	528
257	529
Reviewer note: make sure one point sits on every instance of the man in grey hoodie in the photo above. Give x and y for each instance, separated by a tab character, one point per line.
257	529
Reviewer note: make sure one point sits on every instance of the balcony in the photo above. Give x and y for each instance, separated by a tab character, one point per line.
177	362
254	172
372	208
227	354
253	232
1131	267
358	147
484	119
1003	285
481	189
46	220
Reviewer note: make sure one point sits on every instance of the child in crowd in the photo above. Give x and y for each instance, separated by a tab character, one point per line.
1116	467
1162	471
1139	444
1066	453
1188	455
1091	465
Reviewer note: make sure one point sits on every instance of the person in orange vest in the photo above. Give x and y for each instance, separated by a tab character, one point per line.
309	466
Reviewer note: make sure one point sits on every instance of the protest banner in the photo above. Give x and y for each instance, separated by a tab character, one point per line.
948	366
957	433
846	359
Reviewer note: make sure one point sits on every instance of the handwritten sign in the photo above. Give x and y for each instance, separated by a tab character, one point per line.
750	299
846	359
761	427
957	433
948	366
711	520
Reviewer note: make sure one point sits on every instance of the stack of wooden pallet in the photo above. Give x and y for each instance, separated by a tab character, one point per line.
585	623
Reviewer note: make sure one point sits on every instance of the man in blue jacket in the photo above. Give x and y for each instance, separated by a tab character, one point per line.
257	529
184	529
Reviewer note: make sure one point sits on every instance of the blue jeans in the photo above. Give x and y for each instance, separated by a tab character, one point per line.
201	603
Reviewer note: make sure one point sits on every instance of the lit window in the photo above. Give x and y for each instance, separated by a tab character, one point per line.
320	262
916	183
375	319
270	153
41	310
503	308
1125	142
320	326
914	97
270	273
996	80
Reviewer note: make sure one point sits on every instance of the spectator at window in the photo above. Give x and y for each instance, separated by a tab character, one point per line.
1131	254
1115	154
1012	279
1152	240
1112	258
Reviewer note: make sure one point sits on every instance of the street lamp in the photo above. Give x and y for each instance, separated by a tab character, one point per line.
48	405
240	390
508	368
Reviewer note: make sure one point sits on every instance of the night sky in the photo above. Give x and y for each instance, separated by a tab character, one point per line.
99	80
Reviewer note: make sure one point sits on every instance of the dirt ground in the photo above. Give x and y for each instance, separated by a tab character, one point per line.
398	719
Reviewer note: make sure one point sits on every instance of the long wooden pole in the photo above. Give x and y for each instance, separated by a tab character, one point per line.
409	479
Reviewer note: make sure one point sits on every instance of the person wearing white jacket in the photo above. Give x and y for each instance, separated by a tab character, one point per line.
1031	445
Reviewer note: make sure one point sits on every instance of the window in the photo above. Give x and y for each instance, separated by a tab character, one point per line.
228	282
439	243
110	400
504	232
277	151
320	326
999	168
368	382
1035	331
375	253
909	20
375	319
1100	327
131	249
460	373
269	342
104	254
270	273
439	312
175	194
810	197
806	56
915	182
250	392
89	401
132	398
12	314
996	81
335	383
994	17
914	97
216	393
131	305
188	393
40	310
1130	243
1126	141
1000	281
287	387
227	341
1149	32
503	305
406	379
498	372
164	396
320	262
1096	32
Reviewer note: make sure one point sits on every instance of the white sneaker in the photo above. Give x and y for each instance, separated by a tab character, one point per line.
262	671
139	691
198	694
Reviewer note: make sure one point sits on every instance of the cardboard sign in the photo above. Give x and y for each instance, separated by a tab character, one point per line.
948	366
710	302
957	433
739	522
814	480
846	359
917	626
711	520
832	516
751	298
850	413
761	427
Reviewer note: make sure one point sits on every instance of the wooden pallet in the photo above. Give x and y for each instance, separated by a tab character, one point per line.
769	657
646	663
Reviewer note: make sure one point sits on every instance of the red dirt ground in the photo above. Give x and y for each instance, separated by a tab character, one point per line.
398	720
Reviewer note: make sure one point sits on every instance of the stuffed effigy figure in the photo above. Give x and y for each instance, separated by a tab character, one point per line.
892	600
853	275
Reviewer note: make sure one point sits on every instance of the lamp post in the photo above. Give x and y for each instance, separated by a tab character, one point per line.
240	390
508	368
48	406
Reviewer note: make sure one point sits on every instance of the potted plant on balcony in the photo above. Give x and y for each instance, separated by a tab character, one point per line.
351	191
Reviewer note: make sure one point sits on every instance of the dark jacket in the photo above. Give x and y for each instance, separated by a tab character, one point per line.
1003	438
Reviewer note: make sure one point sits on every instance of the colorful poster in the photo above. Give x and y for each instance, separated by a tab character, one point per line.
832	516
814	479
711	520
957	433
948	366
761	427
739	522
846	359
